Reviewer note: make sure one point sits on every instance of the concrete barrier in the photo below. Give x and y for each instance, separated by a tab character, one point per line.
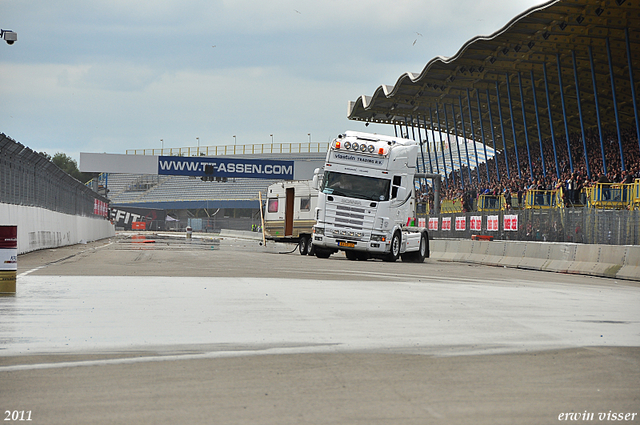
631	265
240	234
560	257
39	228
514	252
585	259
494	253
616	261
536	256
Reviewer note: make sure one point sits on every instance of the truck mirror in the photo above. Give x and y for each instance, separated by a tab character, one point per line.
314	181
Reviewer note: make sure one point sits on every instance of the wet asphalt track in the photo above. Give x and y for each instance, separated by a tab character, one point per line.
132	306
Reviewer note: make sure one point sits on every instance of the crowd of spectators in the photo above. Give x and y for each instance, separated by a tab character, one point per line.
544	175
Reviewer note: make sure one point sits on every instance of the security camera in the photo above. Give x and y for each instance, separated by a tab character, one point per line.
9	36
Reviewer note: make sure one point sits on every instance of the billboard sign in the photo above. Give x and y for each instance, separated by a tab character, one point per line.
124	217
225	167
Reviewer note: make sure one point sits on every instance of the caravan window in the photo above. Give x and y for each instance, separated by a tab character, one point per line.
272	205
305	204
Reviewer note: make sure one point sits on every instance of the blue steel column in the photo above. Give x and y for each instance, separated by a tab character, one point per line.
484	144
444	159
553	136
424	167
535	105
433	136
504	139
513	127
564	112
446	126
426	137
595	95
453	109
615	102
633	87
524	123
413	137
493	136
464	136
584	140
473	137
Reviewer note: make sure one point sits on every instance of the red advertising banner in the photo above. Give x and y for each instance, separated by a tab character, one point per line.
510	223
461	224
100	208
422	222
492	223
475	223
433	223
446	223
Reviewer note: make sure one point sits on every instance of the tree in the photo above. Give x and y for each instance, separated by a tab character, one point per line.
69	166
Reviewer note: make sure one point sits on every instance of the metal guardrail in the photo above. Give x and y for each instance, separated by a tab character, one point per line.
543	199
259	149
613	196
605	196
491	203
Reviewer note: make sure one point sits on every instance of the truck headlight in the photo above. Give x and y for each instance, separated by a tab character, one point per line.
318	230
378	238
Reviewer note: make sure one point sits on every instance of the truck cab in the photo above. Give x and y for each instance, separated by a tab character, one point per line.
366	201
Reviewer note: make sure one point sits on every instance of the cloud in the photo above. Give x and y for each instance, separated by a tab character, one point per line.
111	75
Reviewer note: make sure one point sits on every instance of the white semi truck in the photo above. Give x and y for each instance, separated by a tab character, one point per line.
366	203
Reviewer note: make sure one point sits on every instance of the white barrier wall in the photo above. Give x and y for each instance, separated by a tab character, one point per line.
39	228
616	261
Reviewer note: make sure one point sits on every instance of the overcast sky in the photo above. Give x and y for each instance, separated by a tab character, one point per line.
112	75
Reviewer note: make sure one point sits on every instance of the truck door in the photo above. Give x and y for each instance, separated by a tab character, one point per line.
288	212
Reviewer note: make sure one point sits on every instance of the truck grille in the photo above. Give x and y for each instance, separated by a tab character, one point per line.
345	216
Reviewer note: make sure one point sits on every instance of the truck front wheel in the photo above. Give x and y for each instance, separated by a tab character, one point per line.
323	253
394	252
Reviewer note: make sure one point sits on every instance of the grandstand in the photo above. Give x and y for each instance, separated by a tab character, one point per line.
234	202
554	94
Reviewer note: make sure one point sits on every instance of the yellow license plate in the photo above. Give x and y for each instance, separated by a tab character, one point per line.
347	244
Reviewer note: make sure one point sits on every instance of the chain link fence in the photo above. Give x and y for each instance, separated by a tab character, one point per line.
580	225
28	178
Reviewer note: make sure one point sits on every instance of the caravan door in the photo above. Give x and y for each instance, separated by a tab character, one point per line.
288	213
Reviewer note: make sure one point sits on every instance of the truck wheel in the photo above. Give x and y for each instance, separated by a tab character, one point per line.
303	245
362	256
351	255
424	248
323	253
394	253
312	250
419	255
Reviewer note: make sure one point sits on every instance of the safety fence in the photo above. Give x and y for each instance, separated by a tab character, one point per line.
581	225
29	179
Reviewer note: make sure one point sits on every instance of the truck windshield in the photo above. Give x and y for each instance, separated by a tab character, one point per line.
360	187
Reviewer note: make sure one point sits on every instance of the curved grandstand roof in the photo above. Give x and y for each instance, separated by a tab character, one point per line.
505	66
